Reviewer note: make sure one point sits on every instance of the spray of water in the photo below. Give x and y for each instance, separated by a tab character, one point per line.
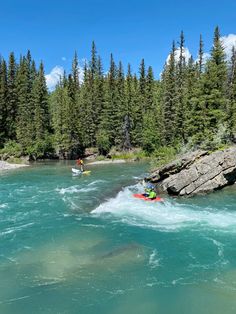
166	216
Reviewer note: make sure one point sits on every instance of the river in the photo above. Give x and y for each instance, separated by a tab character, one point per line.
83	244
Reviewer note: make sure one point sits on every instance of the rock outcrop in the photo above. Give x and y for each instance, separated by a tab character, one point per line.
197	173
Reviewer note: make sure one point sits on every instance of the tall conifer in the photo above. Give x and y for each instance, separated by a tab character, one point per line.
3	101
214	88
11	98
169	99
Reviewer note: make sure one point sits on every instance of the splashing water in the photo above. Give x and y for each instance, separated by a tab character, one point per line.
168	215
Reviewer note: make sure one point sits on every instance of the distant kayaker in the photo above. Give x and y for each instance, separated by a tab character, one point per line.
80	163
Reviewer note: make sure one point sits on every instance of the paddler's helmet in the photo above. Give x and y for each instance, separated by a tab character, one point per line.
150	186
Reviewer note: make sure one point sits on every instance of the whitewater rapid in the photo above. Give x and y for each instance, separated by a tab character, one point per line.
169	215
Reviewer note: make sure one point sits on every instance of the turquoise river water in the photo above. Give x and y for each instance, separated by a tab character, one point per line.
83	244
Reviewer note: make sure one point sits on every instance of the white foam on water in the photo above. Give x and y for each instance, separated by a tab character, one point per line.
220	251
3	205
15	299
75	189
15	229
167	215
154	261
96	181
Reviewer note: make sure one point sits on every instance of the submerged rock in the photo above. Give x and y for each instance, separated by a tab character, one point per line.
197	172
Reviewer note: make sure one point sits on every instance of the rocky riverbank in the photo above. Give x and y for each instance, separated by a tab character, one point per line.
197	173
7	166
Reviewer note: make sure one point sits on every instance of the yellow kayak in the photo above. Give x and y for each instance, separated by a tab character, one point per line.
86	172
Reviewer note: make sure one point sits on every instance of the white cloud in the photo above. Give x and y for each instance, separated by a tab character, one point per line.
63	58
81	69
81	75
58	71
205	57
54	76
228	43
186	54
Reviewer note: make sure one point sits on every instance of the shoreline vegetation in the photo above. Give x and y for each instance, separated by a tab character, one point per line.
119	114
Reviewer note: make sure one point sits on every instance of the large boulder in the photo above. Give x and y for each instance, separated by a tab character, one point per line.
197	172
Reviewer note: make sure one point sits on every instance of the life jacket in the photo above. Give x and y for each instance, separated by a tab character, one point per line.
79	162
152	194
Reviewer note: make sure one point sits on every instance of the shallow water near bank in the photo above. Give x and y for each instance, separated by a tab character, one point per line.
83	244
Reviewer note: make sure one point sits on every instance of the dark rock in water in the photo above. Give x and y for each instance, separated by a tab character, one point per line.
197	172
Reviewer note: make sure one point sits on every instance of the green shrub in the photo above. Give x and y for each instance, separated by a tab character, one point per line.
135	153
103	142
100	158
162	156
15	160
41	148
12	149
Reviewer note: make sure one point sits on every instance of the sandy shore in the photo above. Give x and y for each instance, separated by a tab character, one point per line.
7	166
104	162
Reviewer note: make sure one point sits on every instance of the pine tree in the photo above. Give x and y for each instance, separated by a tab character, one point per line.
169	96
127	110
59	110
214	88
64	113
140	103
192	116
75	73
85	109
200	56
149	90
150	134
196	110
40	105
11	98
94	91
3	101
142	85
25	114
110	113
231	107
73	119
181	92
93	63
136	114
123	119
99	88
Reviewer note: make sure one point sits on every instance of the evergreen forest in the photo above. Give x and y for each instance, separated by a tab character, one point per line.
192	105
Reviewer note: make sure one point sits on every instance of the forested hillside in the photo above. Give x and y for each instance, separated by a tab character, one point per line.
192	105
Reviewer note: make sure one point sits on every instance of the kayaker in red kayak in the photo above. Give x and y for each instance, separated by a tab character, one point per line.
150	192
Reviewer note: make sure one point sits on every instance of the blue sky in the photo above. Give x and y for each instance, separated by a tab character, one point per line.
54	29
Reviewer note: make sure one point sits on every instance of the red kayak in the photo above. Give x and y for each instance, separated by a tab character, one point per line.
142	197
